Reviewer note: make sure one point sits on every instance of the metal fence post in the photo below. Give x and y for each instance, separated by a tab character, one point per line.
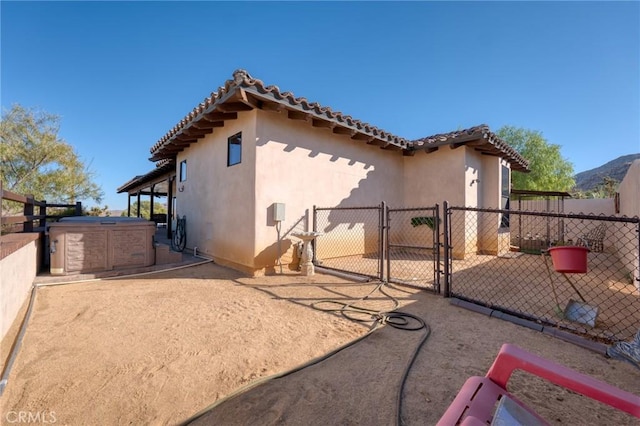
314	228
447	249
436	229
637	283
79	208
382	248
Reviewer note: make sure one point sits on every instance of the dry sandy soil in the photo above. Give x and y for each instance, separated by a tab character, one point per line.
160	348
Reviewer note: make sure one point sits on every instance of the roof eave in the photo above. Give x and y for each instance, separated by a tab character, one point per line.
479	138
247	93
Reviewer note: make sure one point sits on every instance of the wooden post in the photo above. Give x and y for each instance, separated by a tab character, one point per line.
43	213
128	205
138	212
28	211
78	211
151	202
170	206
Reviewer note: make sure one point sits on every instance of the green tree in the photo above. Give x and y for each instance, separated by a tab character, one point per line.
549	170
607	188
145	209
97	211
35	160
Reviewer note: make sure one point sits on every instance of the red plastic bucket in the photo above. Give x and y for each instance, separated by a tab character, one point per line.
569	259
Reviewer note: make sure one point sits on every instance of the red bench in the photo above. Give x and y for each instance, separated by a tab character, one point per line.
475	403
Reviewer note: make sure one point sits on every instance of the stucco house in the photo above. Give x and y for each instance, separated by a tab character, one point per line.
249	145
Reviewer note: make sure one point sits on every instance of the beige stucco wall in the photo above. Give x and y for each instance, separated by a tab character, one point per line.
219	201
465	235
491	238
434	177
429	179
463	177
302	166
597	206
17	272
629	190
229	209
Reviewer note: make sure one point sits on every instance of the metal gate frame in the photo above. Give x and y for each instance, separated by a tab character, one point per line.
381	220
434	248
384	245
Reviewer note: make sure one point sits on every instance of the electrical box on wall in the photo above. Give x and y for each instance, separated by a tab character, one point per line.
278	212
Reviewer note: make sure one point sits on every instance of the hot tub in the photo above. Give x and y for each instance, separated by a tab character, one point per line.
93	244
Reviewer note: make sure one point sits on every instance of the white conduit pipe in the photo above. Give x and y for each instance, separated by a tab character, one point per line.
175	268
23	327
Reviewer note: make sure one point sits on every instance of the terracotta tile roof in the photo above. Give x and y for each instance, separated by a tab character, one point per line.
235	91
243	93
479	137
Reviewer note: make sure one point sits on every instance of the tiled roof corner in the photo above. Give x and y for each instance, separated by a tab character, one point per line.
482	132
481	129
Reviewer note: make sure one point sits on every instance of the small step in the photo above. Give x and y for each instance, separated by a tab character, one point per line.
165	255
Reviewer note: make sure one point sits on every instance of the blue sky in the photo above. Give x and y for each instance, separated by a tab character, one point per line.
121	74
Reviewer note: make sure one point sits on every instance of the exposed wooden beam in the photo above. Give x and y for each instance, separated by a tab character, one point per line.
362	137
296	115
248	99
475	140
271	106
203	124
391	147
184	139
206	124
343	131
217	116
234	107
408	153
198	133
431	149
158	157
460	140
476	143
322	123
176	148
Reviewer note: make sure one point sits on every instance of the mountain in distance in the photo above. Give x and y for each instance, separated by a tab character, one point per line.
616	169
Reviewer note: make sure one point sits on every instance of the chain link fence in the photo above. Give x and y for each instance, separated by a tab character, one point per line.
413	247
500	259
351	239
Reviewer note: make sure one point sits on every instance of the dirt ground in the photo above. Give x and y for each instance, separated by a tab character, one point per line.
160	348
522	283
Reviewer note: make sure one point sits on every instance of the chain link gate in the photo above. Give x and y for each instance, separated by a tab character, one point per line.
413	247
351	239
399	245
